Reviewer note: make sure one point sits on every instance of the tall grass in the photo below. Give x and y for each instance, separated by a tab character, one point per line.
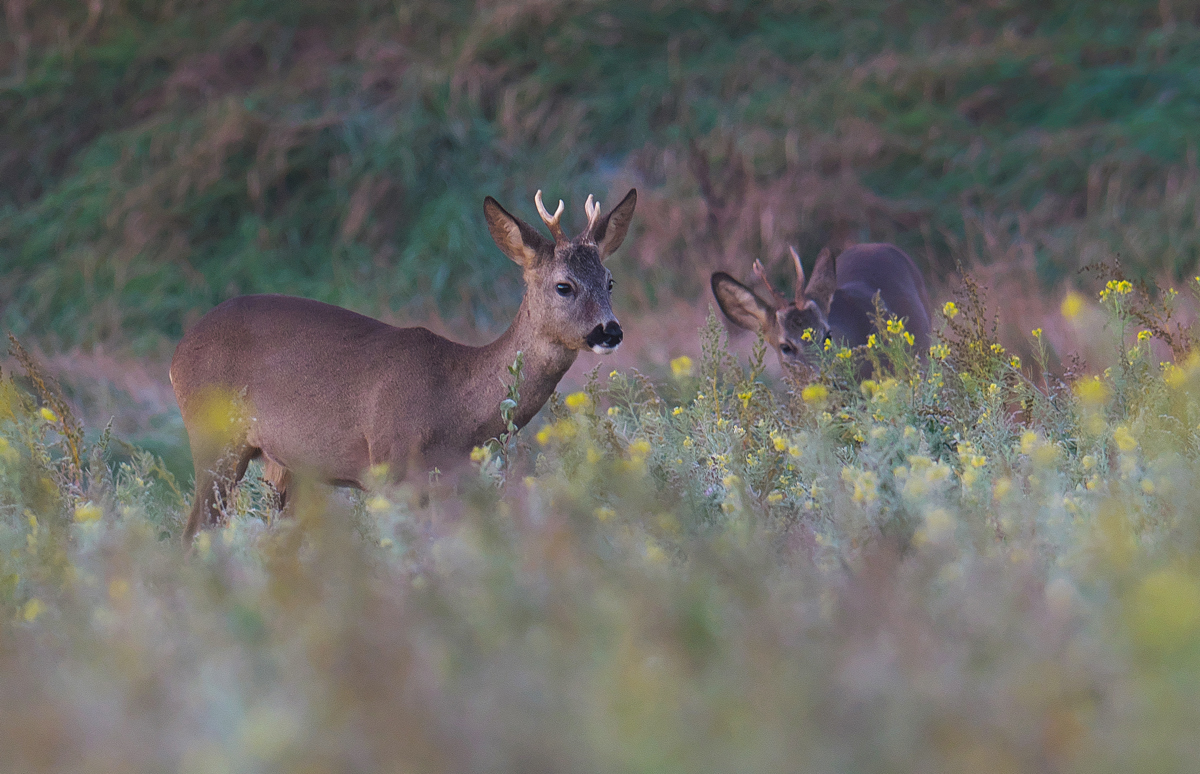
947	567
158	157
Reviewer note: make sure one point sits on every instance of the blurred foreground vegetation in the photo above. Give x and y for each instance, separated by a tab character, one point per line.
948	567
158	156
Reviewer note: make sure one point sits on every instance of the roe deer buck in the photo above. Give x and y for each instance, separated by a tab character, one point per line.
329	393
837	302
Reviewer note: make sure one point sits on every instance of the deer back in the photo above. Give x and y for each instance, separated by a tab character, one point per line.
866	269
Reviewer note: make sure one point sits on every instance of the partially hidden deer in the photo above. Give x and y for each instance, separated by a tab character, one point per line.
324	392
837	302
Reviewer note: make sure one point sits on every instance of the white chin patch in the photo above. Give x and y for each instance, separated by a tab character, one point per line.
599	350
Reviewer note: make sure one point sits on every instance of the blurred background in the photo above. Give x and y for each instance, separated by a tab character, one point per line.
158	157
991	564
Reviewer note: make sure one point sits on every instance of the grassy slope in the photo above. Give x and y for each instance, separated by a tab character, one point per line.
163	156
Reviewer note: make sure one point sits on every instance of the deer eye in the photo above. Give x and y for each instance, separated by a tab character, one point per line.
611	284
787	349
564	289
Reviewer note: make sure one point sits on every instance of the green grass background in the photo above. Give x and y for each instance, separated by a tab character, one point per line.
158	157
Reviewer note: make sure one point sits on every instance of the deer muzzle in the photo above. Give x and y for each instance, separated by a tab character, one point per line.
604	338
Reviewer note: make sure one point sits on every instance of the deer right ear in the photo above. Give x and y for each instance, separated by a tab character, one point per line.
515	238
821	287
740	304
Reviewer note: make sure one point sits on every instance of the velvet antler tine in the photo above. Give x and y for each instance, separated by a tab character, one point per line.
592	208
761	273
551	221
799	273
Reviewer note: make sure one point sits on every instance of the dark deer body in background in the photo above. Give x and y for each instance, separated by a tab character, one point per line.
837	302
329	393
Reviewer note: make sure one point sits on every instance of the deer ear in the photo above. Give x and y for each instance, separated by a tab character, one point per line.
515	238
610	230
823	283
740	304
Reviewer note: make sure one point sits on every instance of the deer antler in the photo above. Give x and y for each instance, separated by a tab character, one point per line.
592	208
799	274
551	222
761	273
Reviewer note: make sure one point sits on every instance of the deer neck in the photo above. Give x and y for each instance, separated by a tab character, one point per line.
545	363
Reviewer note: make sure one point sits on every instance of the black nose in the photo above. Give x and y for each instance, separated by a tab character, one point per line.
607	336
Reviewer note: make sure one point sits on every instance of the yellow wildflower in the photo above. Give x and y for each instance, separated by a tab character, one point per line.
745	397
807	335
1121	288
828	344
1125	440
48	415
814	393
1144	335
1036	333
871	341
1015	361
1072	305
577	401
939	351
909	339
950	309
88	512
1166	610
32	609
1092	392
677	411
543	438
681	366
118	589
639	449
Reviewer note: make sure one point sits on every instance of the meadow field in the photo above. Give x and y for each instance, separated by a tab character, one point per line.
983	558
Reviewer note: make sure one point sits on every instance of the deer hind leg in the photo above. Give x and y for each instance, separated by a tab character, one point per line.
280	479
215	480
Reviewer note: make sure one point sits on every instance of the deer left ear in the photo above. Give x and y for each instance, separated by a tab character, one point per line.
742	305
823	283
610	230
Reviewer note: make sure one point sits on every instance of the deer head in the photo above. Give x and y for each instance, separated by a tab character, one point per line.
792	327
569	291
